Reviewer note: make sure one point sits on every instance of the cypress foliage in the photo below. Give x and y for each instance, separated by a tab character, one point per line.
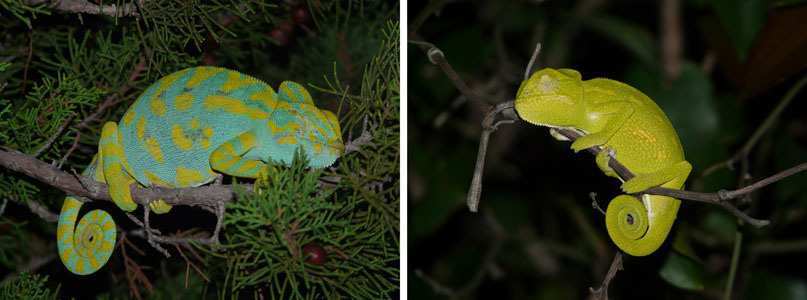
307	234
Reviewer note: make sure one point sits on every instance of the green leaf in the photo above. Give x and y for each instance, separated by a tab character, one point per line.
682	272
721	225
763	285
742	20
633	37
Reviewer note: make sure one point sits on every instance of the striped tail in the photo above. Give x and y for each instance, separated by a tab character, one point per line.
84	248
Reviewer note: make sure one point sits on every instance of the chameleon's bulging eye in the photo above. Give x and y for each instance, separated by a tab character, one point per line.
629	219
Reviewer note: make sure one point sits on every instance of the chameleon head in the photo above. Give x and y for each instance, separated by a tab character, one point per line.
316	132
326	141
551	98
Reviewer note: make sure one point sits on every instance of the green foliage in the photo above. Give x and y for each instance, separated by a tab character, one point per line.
742	20
61	70
682	272
12	242
23	11
27	286
355	223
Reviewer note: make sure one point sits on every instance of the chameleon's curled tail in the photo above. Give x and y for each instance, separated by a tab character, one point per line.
639	229
84	248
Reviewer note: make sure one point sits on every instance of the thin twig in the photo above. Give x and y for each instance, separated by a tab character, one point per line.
42	211
488	126
602	291
53	137
766	125
735	261
437	57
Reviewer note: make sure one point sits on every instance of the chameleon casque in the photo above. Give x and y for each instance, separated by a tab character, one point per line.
624	121
180	132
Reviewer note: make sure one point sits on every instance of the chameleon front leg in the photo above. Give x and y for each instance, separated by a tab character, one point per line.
227	157
617	113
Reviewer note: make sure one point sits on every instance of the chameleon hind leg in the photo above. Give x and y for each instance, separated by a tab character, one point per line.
114	167
672	177
85	248
227	158
115	172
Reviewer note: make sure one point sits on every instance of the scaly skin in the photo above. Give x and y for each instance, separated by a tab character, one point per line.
184	129
621	119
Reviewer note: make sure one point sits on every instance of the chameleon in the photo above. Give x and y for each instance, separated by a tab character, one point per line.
625	123
183	131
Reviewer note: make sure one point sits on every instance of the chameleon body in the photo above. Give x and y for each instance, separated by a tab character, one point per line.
181	132
627	123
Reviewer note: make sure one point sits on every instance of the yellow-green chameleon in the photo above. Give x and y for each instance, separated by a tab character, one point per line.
620	119
181	131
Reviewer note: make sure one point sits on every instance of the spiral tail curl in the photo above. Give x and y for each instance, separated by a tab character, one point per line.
630	227
85	248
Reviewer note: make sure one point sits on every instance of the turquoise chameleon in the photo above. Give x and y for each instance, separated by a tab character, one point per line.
180	132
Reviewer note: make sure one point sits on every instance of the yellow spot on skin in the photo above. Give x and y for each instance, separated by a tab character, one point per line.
128	117
156	180
248	165
157	107
93	262
153	148
184	101
225	163
266	95
234	81
188	177
200	75
233	106
168	81
106	246
66	254
287	140
290	127
179	138
317	148
247	140
207	132
141	128
80	266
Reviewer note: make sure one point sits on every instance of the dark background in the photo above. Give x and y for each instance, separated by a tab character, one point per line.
536	235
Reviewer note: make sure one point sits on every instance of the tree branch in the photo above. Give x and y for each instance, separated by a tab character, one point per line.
87	187
86	7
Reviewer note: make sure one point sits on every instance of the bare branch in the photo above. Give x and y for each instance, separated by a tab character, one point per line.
86	7
602	291
86	187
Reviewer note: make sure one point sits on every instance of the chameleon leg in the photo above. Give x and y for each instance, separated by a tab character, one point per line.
618	113
672	174
85	248
159	206
114	169
227	158
602	160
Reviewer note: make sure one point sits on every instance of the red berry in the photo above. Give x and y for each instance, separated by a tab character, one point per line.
286	26
300	15
280	37
314	254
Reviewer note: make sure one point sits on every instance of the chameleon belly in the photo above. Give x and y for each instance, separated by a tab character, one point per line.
181	129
